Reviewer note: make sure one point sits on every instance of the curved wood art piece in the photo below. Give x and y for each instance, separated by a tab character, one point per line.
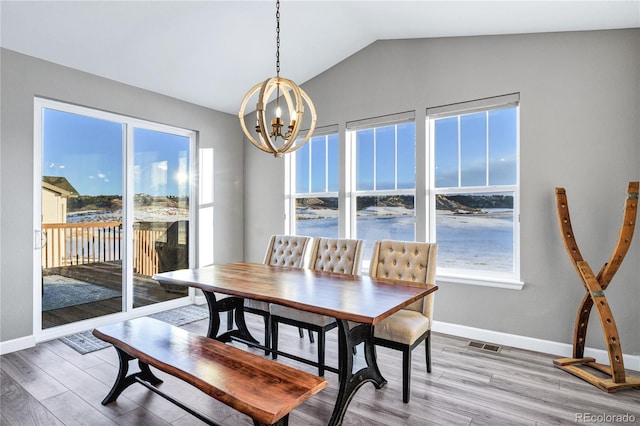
595	286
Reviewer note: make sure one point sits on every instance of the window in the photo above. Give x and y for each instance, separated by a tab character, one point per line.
475	191
315	194
384	179
461	192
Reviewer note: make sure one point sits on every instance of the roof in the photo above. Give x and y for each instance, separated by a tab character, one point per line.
60	185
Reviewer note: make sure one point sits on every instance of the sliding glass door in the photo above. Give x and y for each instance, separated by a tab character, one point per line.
160	212
115	198
82	198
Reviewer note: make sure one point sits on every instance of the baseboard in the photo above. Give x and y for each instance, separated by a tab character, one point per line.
17	344
631	362
65	330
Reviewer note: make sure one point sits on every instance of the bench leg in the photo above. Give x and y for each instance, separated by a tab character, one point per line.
123	381
146	374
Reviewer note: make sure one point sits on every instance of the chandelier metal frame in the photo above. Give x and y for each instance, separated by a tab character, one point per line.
292	97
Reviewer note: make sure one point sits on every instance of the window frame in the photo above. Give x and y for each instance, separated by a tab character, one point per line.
512	279
351	143
424	192
291	193
128	124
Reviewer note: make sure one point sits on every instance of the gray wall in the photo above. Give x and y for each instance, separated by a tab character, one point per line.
580	129
22	78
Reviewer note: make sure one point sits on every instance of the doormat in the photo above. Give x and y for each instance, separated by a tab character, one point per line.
62	292
85	342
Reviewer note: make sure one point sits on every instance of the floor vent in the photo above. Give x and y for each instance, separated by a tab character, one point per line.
485	346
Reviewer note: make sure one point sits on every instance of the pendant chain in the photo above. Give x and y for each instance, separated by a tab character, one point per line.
278	38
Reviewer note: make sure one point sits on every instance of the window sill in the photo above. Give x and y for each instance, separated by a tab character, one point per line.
511	284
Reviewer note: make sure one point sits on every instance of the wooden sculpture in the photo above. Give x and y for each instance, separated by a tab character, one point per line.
595	286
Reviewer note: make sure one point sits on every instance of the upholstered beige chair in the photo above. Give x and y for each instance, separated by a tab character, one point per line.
327	254
283	250
407	328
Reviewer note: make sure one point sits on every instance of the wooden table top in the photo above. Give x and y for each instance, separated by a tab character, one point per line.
350	297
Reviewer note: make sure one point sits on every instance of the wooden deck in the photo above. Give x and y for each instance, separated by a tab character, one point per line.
107	274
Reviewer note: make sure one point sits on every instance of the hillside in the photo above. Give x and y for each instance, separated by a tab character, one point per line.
462	204
114	202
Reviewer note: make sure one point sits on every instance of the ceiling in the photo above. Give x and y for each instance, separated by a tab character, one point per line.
212	52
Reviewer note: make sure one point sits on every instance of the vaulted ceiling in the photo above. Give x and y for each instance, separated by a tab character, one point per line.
212	52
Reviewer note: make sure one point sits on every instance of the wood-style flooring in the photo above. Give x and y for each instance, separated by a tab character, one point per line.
51	384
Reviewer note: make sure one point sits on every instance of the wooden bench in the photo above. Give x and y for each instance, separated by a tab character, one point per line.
265	390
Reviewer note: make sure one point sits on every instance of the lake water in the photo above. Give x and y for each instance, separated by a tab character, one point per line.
478	242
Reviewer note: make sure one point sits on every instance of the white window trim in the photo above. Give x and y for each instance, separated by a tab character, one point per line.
347	193
352	128
384	120
490	280
290	193
128	124
485	104
471	277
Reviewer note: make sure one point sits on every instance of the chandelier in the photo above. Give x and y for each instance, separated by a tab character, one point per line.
273	136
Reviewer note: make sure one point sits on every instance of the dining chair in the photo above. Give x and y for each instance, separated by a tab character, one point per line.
338	255
282	250
407	328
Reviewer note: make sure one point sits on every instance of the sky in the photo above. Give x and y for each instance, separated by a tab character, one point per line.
89	153
374	171
473	150
476	149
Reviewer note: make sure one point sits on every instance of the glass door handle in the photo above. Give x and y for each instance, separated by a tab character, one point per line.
40	239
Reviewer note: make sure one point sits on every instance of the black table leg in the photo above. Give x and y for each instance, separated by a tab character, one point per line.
226	304
350	382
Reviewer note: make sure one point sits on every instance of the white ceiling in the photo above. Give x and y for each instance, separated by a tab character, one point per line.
212	52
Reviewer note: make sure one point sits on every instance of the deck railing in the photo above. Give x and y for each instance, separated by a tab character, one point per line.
91	242
145	256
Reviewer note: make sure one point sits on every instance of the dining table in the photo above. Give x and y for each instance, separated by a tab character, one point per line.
357	302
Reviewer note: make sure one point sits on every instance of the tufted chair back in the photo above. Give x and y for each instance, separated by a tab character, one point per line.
408	261
287	250
337	255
